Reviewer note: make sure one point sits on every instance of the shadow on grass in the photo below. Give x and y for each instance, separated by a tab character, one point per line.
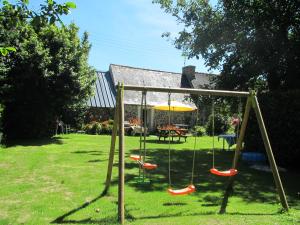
36	142
164	141
250	185
184	213
62	219
108	221
88	152
97	160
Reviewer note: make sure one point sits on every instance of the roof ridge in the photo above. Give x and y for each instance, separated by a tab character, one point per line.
140	68
201	73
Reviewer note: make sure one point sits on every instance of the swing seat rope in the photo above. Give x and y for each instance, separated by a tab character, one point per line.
189	189
226	173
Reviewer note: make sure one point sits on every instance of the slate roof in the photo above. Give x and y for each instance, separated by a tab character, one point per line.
146	77
201	79
105	93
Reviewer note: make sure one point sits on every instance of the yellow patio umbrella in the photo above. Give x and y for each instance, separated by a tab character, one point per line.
175	106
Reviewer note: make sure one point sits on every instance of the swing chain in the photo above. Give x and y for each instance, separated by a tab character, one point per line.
195	141
145	124
169	136
213	130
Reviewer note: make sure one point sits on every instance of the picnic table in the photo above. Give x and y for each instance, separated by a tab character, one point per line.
229	138
174	132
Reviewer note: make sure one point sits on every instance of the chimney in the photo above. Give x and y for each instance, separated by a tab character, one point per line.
189	72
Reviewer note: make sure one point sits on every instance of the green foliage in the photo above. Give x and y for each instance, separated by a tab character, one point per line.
49	12
93	128
5	50
254	43
48	77
71	5
221	124
281	115
199	130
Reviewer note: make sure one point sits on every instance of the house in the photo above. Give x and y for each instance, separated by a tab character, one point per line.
104	100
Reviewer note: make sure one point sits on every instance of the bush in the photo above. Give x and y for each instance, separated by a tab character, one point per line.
93	128
221	124
199	130
107	127
280	112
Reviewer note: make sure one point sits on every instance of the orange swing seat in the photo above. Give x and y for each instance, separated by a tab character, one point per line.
135	157
189	189
149	166
226	173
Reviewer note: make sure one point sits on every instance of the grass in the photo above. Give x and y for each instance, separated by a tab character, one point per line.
60	181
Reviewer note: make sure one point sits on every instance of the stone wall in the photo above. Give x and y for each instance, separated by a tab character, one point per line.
130	112
99	114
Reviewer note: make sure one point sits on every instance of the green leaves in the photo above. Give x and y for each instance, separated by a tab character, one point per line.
5	50
245	39
71	5
48	76
26	2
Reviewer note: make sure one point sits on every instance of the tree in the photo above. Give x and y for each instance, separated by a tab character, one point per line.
255	43
47	77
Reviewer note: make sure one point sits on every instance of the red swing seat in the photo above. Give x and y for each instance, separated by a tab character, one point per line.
135	157
189	189
226	173
149	166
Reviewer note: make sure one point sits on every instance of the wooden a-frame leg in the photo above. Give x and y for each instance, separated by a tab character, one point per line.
252	101
239	143
121	208
270	155
112	148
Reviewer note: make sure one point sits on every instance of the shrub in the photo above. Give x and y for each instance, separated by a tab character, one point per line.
93	128
199	130
221	124
107	126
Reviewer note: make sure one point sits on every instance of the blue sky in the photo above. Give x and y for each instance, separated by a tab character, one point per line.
128	32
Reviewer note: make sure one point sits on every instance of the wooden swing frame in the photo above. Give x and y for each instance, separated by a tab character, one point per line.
118	128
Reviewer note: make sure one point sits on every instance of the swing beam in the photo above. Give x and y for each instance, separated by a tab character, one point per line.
252	102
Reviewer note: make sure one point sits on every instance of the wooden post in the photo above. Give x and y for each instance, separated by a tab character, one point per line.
112	147
268	148
206	92
121	210
239	143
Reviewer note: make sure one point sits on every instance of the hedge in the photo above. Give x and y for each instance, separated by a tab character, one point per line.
281	113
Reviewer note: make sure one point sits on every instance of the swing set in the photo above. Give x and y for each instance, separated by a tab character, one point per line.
118	128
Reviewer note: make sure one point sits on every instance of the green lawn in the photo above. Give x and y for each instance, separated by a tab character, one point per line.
61	180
